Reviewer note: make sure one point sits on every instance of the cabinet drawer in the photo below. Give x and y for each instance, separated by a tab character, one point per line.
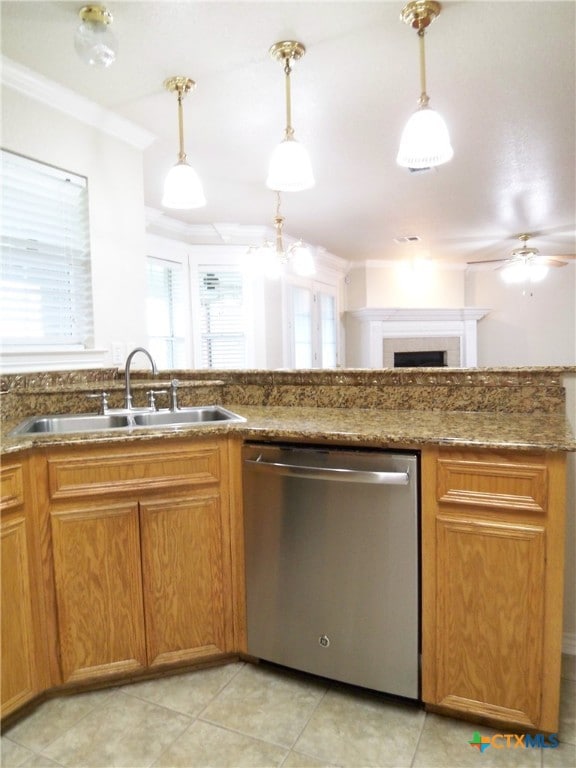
12	487
133	471
500	484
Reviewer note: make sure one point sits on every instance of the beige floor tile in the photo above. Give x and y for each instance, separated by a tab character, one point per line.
187	693
13	755
569	666
124	731
298	760
40	761
562	757
445	744
54	717
204	745
354	728
568	712
268	704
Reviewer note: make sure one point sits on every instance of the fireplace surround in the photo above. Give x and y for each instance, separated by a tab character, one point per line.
384	332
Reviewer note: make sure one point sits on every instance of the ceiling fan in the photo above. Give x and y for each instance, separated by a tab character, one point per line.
526	263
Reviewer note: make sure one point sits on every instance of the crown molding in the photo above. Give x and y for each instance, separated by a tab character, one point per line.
40	88
421	314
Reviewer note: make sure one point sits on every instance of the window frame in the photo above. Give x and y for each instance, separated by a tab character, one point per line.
80	352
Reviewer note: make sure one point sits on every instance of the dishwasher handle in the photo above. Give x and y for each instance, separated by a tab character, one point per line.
340	475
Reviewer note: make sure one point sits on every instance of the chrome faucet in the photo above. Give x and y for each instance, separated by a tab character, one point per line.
127	390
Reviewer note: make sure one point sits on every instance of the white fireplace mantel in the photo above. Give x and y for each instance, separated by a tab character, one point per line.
396	323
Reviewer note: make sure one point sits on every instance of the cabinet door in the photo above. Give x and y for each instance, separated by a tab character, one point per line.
187	578
490	610
98	590
21	657
18	669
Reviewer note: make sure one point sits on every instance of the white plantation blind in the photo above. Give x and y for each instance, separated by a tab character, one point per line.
167	312
45	283
222	333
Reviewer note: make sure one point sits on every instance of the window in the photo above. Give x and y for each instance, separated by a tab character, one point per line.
167	312
222	322
45	283
312	326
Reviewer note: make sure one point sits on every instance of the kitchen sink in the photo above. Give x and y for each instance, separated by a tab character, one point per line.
70	423
64	423
200	415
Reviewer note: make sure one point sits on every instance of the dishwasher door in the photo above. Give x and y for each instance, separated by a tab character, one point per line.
332	563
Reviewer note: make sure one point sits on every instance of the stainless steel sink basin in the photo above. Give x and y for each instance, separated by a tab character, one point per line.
70	423
65	423
201	415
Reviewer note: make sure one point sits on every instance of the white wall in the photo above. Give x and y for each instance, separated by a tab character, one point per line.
535	327
117	225
411	283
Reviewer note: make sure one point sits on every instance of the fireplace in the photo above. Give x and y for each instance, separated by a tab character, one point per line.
382	338
420	359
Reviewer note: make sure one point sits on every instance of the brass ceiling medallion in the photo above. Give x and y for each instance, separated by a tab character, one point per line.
419	14
179	84
287	50
96	14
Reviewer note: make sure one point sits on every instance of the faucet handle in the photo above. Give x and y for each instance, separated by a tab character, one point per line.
152	394
103	396
174	395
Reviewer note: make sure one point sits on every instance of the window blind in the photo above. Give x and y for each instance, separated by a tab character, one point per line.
166	312
222	334
45	281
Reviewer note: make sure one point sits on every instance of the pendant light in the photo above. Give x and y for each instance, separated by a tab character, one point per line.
182	187
271	258
290	169
425	141
94	41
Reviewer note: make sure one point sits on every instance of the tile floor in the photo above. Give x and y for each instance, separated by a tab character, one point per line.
245	715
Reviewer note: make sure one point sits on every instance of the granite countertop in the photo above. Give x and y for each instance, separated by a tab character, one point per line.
375	428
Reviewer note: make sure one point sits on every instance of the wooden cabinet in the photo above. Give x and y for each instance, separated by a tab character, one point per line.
23	662
143	559
492	537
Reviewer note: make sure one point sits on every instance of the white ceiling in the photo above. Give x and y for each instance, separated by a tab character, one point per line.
501	73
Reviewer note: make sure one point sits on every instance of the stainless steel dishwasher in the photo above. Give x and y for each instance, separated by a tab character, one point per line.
332	563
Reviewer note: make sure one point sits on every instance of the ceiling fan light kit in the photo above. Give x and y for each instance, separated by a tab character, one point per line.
94	41
290	169
526	264
425	141
182	186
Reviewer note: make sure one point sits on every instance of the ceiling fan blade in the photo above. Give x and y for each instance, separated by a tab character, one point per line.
489	261
553	261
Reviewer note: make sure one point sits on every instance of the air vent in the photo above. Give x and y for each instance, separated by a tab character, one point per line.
407	239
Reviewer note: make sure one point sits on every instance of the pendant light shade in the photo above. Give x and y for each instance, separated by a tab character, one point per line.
182	186
290	169
425	141
94	41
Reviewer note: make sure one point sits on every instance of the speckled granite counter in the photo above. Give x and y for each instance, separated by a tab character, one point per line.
510	408
347	426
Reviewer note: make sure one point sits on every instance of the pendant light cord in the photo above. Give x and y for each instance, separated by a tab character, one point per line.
181	153
289	132
424	98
